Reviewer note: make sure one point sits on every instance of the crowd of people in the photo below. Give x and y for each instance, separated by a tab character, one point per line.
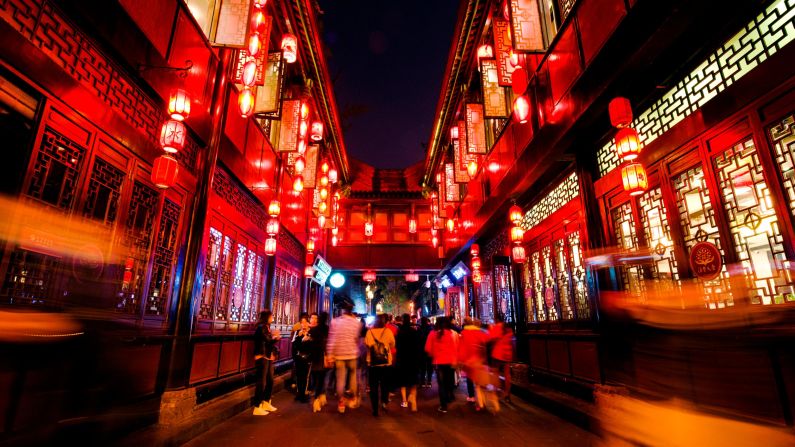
387	359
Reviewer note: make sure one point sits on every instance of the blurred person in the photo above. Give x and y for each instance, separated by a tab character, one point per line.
502	352
265	341
426	368
318	335
343	348
442	346
296	327
408	362
472	357
380	343
301	359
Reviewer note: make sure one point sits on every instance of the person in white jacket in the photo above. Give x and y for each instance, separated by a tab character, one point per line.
343	348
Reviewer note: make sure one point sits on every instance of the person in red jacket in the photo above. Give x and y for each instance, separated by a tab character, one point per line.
472	357
442	346
502	353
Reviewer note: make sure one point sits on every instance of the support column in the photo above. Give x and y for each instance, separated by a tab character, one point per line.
190	284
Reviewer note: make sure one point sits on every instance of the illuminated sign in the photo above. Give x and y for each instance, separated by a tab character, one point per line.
322	270
459	271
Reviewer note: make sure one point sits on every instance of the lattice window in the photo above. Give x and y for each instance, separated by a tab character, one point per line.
754	225
211	268
562	270
764	36
502	289
658	235
55	174
224	279
783	137
160	282
104	190
527	280
239	283
29	278
486	298
137	239
627	238
550	294
577	272
565	192
286	295
538	286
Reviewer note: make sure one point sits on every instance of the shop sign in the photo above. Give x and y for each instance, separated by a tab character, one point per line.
705	260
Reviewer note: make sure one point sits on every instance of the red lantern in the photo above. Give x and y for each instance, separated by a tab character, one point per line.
323	192
454	133
485	52
627	144
260	4
309	271
515	214
412	277
300	164
412	225
435	241
472	168
274	208
324	167
304	110
368	229
270	246
332	175
272	227
324	180
302	129
334	241
298	183
477	278
450	224
254	45
620	111
258	22
317	131
634	178
518	254
165	171
474	250
179	105
290	48
302	147
172	136
475	263
515	59
322	207
369	276
494	167
519	80
521	109
245	102
310	245
249	73
517	234
321	221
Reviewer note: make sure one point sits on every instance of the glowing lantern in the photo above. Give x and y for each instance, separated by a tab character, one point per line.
335	231
472	168
258	22
270	246
272	227
454	133
494	167
324	167
627	144
302	128
245	102
412	225
620	112
368	229
434	231
254	45
475	263
164	171
309	271
521	109
474	250
517	234
317	131
179	105
323	193
515	59
322	207
368	276
484	52
310	245
324	180
477	278
515	214
634	177
334	241
518	254
301	147
450	224
304	111
321	221
249	73
519	80
172	136
412	277
290	48
260	3
435	241
298	183
274	208
300	164
332	175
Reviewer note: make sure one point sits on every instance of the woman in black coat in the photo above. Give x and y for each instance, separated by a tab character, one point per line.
318	335
265	354
408	362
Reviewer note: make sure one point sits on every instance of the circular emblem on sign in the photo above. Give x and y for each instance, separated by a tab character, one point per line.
705	260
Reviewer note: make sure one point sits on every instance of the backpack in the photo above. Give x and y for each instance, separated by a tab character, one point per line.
379	353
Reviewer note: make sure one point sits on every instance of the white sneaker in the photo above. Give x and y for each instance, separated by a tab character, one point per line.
259	411
267	406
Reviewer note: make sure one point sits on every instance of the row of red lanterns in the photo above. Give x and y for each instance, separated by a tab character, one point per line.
515	215
173	135
474	251
628	147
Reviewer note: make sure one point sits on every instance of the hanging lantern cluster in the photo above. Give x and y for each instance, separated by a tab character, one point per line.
474	251
173	136
368	276
628	147
517	234
245	100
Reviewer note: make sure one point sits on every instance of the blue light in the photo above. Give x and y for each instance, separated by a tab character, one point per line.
369	320
337	280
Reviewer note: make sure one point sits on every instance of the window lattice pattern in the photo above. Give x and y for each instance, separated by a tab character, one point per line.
137	239
765	35
285	295
55	174
165	258
104	191
486	297
627	238
549	292
577	269
567	190
538	286
502	289
783	137
658	235
211	266
754	225
562	273
29	278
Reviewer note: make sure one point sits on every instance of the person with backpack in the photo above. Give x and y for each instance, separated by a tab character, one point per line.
442	346
379	341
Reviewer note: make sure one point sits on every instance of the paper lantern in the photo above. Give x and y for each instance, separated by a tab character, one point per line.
368	229
369	276
435	241
323	193
485	52
519	81
321	221
298	183
300	164
450	224
494	167
310	245
521	109
309	271
412	277
304	111
477	278
249	73
475	263
472	168
334	241
515	214
518	254
260	4
474	250
179	105
172	136
272	227
254	44
627	144
322	207
301	147
620	111
289	48
324	167
274	208
324	180
515	59
454	133
165	171
245	102
517	234
270	246
634	178
303	127
412	225
317	131
258	22
332	175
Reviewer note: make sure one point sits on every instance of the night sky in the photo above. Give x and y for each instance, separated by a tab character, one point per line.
387	60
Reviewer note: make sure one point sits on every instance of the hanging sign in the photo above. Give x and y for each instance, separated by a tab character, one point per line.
493	95
526	26
310	171
451	188
705	260
270	94
232	23
502	51
460	155
476	130
288	133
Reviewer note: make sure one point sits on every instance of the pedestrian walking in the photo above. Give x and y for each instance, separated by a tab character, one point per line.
502	353
318	335
343	348
426	367
408	362
442	346
380	343
265	354
472	356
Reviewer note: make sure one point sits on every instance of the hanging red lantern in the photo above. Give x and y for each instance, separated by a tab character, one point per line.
475	263
298	183
521	109
321	221
324	167
317	131
519	80
435	241
272	227
249	73
305	110
323	192
369	276
454	133
179	105
309	271
472	168
245	102
634	178
518	254
412	225
300	164
258	22
627	144
303	127
301	147
517	234
334	241
485	52
322	207
474	250
515	59
254	44
172	136
450	224
515	214
494	167
620	111
165	171
270	246
289	48
310	245
477	277
368	229
332	175
260	4
274	208
324	180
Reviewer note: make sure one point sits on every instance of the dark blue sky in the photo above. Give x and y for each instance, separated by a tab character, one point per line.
387	59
